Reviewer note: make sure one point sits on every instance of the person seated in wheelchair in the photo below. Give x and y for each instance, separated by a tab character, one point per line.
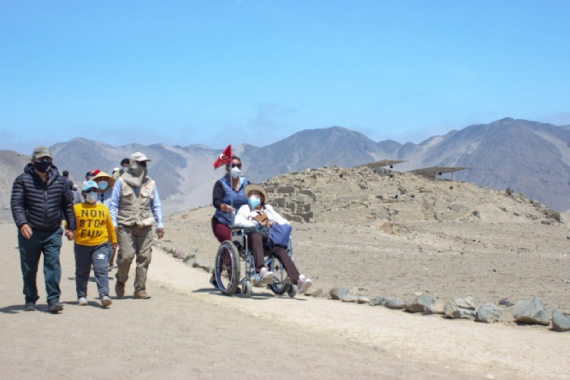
257	213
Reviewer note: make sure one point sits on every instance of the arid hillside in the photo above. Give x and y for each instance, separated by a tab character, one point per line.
362	195
399	235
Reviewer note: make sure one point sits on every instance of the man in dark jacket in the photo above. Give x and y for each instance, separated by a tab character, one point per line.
40	197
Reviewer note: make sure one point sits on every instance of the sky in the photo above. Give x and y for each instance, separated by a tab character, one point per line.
219	72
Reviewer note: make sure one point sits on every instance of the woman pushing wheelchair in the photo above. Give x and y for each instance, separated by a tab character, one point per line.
257	213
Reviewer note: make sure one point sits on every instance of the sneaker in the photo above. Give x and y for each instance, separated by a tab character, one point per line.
54	306
120	288
265	276
106	300
30	306
142	295
213	282
82	301
303	284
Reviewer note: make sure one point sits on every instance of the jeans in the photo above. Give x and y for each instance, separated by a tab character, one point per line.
48	243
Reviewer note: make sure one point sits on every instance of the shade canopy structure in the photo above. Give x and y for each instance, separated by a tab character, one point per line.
434	171
381	164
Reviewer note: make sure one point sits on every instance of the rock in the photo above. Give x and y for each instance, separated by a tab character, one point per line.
531	312
463	308
190	261
560	321
201	265
489	313
438	307
506	302
362	299
395	304
321	293
419	303
309	293
339	293
349	298
378	300
178	254
189	256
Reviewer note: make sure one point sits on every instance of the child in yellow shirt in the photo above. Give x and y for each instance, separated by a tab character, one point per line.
94	232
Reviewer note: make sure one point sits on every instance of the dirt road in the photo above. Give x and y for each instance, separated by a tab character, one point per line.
188	330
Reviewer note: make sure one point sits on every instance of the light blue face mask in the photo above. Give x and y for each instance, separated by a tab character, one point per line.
253	201
103	185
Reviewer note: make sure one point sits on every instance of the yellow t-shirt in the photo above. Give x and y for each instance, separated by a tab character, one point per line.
94	224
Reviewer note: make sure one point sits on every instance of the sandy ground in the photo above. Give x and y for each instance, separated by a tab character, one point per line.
188	330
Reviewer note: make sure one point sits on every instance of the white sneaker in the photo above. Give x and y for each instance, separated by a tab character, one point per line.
82	301
303	284
265	276
106	301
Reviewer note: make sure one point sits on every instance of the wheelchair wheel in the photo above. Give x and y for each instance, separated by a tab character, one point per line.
226	270
280	284
246	289
292	291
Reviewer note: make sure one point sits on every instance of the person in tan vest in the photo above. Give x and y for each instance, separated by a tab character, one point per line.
135	209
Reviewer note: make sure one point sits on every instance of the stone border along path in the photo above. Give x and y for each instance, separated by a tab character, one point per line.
496	346
529	311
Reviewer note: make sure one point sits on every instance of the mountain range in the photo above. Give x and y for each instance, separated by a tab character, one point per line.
529	157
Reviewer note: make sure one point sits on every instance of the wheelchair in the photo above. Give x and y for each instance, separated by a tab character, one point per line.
229	265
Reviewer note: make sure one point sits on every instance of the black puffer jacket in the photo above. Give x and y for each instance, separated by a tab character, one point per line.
40	204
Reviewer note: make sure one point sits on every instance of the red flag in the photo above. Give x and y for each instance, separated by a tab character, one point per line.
225	158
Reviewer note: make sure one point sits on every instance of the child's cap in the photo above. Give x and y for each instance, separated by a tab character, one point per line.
88	185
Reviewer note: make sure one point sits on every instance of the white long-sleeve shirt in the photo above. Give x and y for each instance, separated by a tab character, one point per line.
245	215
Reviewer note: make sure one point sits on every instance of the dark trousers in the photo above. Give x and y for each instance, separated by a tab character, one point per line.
256	246
98	256
221	231
48	243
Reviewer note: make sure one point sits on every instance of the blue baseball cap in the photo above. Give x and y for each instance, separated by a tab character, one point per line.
87	185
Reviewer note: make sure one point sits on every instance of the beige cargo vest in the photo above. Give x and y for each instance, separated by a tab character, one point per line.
133	209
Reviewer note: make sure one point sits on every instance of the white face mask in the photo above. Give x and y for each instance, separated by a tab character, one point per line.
235	172
91	197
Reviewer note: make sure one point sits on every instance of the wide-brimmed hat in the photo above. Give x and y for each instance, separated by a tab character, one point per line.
256	187
109	178
88	185
139	157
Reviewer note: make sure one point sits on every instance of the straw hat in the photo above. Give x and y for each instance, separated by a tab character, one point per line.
108	177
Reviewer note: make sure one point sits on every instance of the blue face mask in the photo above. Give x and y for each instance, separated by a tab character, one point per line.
103	185
253	201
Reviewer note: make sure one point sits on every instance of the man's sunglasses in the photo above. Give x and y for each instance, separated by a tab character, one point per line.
236	166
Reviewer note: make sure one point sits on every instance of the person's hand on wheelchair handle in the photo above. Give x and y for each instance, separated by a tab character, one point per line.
227	208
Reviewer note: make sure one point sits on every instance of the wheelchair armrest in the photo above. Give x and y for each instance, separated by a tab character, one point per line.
249	230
